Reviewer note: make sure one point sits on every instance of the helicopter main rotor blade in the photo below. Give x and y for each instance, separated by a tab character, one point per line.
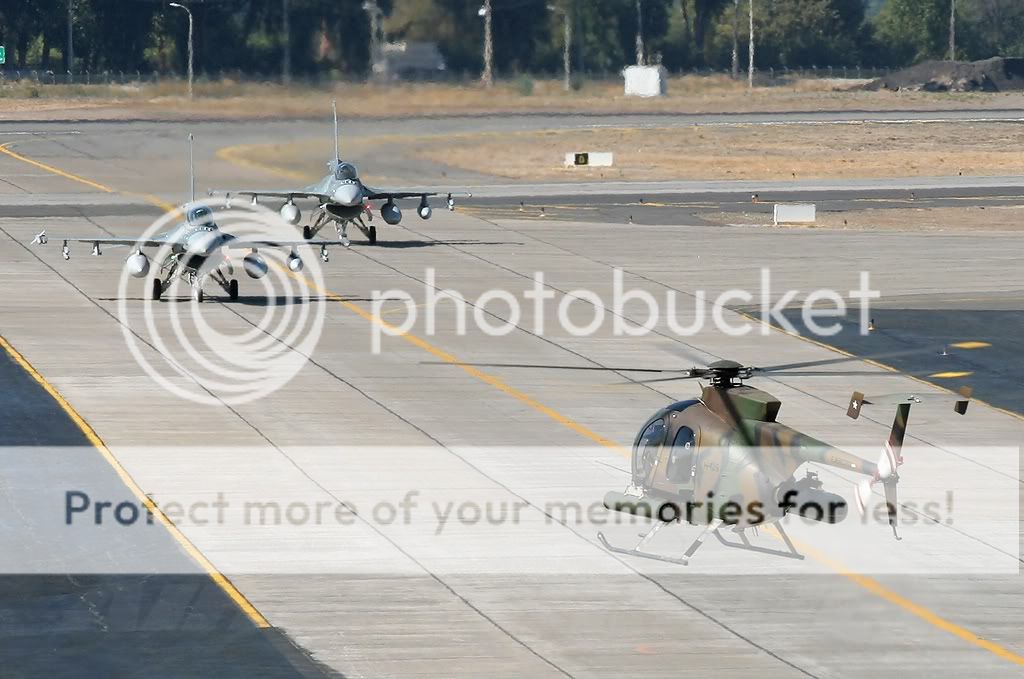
836	373
834	361
555	367
690	374
684	351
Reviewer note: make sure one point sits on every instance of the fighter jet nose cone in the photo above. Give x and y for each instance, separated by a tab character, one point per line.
202	243
347	194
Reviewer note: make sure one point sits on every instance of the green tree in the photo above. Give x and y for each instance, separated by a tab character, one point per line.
988	28
913	30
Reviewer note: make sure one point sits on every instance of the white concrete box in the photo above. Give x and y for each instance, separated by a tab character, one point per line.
795	213
645	81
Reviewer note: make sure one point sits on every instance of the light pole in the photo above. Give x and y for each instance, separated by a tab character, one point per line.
374	12
286	61
750	63
735	39
639	34
567	51
488	75
187	11
952	30
71	39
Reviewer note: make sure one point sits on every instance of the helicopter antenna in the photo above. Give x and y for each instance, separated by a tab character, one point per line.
334	110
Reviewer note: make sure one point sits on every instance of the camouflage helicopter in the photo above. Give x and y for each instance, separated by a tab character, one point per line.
723	460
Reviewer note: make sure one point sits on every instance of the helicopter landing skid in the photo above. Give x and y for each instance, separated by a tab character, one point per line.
744	543
638	550
713	527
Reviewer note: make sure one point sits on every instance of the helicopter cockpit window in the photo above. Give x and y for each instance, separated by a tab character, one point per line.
680	460
646	455
345	171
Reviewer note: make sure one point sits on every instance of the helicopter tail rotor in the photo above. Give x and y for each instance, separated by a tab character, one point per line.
891	458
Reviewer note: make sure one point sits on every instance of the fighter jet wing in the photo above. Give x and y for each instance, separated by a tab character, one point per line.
376	194
273	193
243	243
156	241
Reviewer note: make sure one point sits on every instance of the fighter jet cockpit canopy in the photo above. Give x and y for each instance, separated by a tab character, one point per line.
345	171
201	215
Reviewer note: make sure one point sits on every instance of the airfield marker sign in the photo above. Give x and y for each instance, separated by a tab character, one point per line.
3	55
588	159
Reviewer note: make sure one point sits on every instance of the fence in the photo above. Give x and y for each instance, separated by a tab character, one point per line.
765	76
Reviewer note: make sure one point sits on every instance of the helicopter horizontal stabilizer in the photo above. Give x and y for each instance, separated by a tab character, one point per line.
859	400
891	458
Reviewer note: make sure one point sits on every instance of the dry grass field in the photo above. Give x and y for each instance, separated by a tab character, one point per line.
687	94
838	151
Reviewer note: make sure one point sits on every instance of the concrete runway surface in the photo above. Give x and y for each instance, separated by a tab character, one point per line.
464	595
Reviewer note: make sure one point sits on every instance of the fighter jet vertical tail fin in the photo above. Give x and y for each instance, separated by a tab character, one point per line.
334	110
191	172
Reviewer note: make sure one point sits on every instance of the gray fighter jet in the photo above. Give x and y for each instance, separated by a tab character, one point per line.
342	198
195	250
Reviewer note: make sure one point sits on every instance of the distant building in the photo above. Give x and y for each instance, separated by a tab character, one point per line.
410	61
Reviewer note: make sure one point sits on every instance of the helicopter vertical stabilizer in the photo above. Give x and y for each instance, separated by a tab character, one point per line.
891	457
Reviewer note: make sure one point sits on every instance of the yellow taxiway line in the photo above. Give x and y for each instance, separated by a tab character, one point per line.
867	583
90	434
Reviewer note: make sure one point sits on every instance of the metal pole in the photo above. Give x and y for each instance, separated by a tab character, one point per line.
488	75
566	54
735	39
187	11
374	13
952	30
286	61
71	39
190	72
750	65
639	34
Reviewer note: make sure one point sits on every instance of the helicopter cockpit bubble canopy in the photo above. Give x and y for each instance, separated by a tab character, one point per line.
345	171
200	216
653	434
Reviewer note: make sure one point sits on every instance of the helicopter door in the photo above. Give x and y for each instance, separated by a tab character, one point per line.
645	457
682	459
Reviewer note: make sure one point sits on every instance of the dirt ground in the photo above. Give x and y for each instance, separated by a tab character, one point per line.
686	94
748	152
843	151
